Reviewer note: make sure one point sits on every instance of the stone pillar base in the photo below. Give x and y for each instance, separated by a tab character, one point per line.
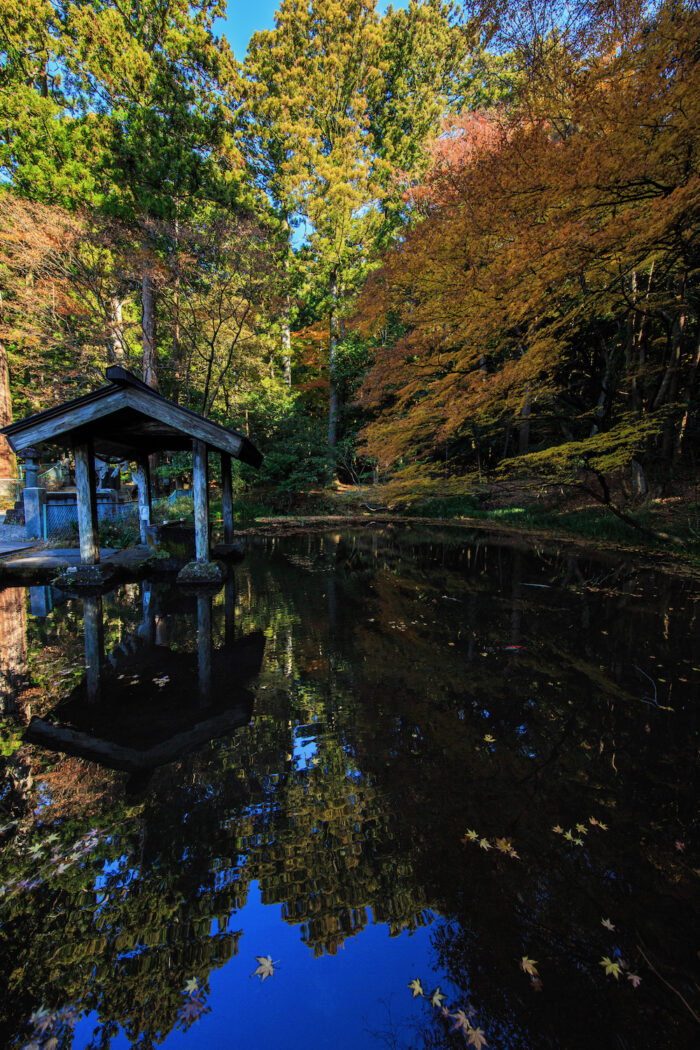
199	572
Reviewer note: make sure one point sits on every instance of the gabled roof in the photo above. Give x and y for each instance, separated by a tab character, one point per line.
125	418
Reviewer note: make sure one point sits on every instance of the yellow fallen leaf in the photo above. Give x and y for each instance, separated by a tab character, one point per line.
529	966
612	969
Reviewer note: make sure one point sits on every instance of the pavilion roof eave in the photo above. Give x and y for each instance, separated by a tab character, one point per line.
74	420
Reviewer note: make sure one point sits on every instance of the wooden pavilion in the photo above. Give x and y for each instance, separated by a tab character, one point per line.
128	420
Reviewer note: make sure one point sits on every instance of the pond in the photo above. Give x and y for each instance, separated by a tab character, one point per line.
394	788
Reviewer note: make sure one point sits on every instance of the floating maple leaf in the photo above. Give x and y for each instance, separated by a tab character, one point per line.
529	966
437	997
582	829
607	924
42	1019
191	986
476	1038
612	968
485	844
416	986
461	1021
503	845
266	967
635	979
568	836
192	1009
558	829
473	836
490	739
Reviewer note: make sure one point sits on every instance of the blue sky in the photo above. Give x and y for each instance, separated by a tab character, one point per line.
244	17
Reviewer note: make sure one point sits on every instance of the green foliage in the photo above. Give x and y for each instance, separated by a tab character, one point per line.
293	443
119	533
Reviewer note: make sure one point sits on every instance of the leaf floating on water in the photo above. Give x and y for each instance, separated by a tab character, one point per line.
607	924
471	836
191	986
461	1021
485	844
529	966
612	969
41	1019
266	967
192	1009
416	986
635	979
436	999
490	739
582	829
476	1038
558	829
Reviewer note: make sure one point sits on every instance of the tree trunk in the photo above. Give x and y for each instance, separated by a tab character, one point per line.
178	363
524	428
687	397
8	467
116	350
601	407
334	400
287	344
148	324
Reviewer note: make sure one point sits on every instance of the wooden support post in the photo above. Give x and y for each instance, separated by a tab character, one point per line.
94	645
227	496
204	647
201	501
143	483
87	503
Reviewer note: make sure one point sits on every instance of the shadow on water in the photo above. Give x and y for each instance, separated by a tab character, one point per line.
491	747
146	704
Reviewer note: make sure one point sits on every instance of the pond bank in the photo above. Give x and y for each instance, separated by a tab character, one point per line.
673	559
41	563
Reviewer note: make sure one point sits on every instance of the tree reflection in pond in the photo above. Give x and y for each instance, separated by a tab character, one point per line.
412	689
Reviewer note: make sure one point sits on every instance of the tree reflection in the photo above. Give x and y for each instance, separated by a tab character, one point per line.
428	691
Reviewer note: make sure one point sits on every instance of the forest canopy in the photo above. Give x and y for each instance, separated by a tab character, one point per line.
430	246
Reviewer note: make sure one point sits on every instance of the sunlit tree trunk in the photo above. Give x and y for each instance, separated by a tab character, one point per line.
148	324
7	460
334	400
117	348
287	344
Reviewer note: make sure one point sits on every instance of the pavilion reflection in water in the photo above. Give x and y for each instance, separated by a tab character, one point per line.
149	700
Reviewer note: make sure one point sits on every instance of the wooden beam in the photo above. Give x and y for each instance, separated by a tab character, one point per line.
201	501
143	483
227	497
50	425
190	423
87	504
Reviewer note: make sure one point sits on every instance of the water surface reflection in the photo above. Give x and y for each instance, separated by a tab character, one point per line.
387	694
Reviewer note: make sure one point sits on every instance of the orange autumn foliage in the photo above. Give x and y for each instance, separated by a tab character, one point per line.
549	278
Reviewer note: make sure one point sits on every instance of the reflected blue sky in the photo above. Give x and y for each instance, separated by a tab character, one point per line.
297	1008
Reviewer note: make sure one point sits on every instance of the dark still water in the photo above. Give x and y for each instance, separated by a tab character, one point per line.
437	792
